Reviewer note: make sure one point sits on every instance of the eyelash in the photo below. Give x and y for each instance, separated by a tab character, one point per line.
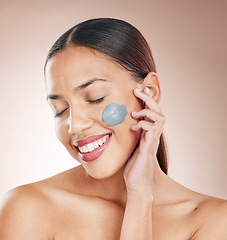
59	114
97	101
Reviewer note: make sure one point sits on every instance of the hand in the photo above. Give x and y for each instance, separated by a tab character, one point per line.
139	169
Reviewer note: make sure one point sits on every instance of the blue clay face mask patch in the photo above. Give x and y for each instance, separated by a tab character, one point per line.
114	114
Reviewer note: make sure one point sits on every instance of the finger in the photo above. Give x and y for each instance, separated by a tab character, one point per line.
148	114
151	133
145	125
149	101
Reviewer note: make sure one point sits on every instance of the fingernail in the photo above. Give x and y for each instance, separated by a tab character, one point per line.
146	90
138	90
133	127
133	113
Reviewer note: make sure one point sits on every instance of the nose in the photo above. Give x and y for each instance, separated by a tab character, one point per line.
78	121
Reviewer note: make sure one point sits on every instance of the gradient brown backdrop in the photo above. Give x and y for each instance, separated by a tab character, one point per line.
188	40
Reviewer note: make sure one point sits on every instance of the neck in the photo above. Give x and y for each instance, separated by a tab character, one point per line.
165	189
111	189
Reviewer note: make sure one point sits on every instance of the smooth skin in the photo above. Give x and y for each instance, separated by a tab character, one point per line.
119	195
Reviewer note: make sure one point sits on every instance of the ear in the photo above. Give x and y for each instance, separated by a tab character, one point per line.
152	82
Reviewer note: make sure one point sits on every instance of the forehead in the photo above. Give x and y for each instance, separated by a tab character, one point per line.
80	62
74	66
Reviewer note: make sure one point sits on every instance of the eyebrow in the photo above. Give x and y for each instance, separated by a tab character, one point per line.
80	87
89	82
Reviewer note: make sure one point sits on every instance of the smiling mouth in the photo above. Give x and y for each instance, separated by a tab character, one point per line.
92	147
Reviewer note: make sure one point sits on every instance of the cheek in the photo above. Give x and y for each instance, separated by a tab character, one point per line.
119	119
131	138
114	114
61	131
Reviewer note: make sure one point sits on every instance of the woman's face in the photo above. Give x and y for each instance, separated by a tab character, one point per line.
81	83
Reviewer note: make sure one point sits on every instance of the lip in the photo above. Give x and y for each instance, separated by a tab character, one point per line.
91	156
90	139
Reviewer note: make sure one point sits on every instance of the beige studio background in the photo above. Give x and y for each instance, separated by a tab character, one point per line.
188	40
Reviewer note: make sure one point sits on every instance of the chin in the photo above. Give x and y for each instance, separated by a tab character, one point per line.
103	170
99	176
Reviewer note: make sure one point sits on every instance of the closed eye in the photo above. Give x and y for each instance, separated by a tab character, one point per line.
96	101
89	101
59	114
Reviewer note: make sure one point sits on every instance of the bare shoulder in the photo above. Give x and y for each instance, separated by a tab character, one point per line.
212	219
30	211
23	214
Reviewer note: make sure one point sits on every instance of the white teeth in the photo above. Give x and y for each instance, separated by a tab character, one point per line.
95	144
84	149
92	146
100	142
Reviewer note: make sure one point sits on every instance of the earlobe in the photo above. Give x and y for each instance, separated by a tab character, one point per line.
152	82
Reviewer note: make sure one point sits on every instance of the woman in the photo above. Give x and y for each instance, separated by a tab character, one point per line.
103	88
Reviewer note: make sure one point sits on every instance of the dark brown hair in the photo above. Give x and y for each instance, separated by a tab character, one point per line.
124	44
